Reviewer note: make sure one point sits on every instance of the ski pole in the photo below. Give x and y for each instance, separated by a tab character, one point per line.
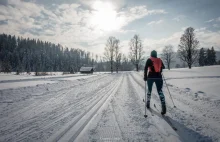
145	115
168	90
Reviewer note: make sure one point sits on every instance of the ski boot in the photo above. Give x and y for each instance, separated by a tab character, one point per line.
163	109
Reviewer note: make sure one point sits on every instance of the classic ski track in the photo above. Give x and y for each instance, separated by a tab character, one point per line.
31	119
36	79
67	113
115	105
180	115
165	135
67	90
103	99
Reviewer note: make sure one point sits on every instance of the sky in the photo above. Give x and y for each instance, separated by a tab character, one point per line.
87	24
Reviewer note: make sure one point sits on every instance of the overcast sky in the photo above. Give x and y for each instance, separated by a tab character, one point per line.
87	24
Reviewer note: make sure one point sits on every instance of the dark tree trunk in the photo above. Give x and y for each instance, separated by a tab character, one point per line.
168	67
190	66
136	67
111	67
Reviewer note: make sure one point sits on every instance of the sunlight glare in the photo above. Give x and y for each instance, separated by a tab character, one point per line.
104	16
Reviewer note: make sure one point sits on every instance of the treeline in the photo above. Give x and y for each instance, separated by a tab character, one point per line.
19	54
207	57
189	52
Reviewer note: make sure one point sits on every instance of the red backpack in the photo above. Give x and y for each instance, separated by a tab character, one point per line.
157	64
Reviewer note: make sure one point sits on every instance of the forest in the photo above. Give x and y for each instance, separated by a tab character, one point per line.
19	54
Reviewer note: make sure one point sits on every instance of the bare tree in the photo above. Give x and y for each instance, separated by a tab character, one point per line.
168	55
136	51
188	47
117	55
109	50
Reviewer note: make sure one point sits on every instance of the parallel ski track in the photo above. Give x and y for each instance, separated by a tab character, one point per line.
106	94
77	105
62	91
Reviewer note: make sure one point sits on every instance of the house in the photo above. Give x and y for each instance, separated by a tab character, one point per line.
87	70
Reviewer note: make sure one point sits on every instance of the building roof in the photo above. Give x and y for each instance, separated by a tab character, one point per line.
86	69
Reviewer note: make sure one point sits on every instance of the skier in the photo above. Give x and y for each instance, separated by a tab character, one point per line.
155	67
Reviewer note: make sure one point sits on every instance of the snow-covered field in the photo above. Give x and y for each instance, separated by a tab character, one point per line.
10	81
109	107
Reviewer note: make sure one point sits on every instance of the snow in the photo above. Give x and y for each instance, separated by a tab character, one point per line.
12	81
110	107
204	81
78	77
13	85
10	77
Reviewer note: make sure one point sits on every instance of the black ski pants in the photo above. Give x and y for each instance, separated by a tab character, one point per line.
159	85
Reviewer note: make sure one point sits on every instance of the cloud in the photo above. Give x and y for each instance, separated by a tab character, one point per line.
4	2
155	22
117	3
67	24
206	38
209	21
179	18
213	20
209	38
216	25
152	44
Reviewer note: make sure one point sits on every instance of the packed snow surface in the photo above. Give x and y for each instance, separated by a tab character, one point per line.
110	107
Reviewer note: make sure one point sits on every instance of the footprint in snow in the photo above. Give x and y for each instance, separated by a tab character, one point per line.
201	92
187	89
196	95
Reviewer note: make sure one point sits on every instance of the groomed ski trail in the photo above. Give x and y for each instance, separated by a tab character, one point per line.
102	108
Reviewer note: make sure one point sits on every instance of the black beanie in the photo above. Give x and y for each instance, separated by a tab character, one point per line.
154	53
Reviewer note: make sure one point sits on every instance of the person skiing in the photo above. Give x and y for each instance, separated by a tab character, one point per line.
155	67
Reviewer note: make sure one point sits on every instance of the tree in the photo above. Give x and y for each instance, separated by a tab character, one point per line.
168	55
19	54
126	65
188	47
109	50
136	51
5	67
213	56
208	57
202	57
117	55
177	65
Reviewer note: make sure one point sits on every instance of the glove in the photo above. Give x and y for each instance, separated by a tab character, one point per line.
145	78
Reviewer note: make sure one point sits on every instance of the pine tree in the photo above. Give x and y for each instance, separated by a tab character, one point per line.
202	57
213	56
31	55
208	57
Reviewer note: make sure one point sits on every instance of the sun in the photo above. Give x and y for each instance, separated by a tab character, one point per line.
104	16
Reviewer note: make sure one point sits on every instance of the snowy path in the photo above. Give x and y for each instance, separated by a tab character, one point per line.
103	108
